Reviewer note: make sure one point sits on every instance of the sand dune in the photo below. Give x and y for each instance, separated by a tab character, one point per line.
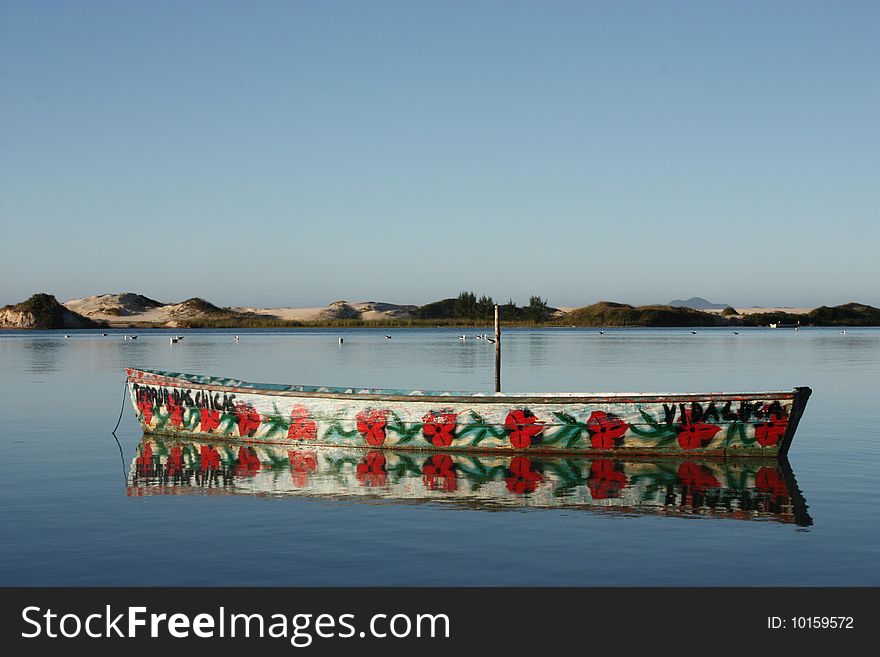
126	308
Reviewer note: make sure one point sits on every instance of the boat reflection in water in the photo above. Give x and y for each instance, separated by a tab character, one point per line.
742	489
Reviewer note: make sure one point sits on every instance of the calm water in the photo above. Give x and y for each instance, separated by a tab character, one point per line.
76	511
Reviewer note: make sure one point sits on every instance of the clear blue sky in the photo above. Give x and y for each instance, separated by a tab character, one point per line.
294	153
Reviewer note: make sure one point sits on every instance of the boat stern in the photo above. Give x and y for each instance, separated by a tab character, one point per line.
801	395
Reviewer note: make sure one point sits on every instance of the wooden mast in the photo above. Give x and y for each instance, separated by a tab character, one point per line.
497	349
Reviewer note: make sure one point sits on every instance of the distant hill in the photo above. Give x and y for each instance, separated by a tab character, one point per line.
609	313
698	303
41	311
467	307
128	309
848	314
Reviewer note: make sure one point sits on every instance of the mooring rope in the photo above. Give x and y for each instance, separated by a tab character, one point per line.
121	410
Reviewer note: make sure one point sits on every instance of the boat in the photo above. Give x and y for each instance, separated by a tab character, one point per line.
685	486
709	424
783	325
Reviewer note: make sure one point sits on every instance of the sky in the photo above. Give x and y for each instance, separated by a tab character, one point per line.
294	153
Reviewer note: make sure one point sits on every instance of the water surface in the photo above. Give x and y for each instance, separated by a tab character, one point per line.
70	517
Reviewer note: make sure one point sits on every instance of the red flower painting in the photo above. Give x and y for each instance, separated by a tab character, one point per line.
767	480
371	425
371	471
248	462
209	458
248	419
174	464
302	464
210	420
301	427
145	460
770	432
523	428
606	430
145	404
439	428
175	411
522	477
438	473
695	435
696	477
606	479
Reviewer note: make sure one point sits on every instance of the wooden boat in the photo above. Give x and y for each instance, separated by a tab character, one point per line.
683	486
708	424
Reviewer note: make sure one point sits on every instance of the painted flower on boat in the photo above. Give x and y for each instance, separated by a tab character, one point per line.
522	476
695	435
248	419
698	478
438	473
210	420
175	411
371	471
439	428
523	428
248	463
209	458
767	480
606	479
145	405
769	433
302	464
301	427
606	430
371	425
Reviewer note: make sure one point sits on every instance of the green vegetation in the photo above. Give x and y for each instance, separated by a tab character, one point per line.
608	313
39	304
232	320
467	307
848	314
48	313
729	311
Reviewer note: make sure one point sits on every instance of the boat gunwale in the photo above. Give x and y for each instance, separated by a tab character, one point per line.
155	378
